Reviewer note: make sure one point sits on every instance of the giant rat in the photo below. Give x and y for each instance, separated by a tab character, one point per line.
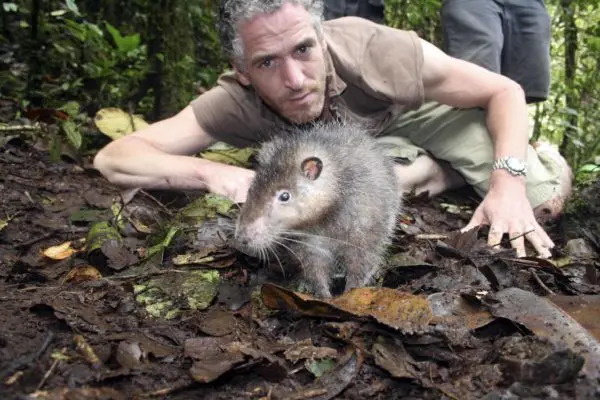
326	194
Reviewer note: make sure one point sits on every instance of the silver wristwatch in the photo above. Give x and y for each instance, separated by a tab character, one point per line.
511	164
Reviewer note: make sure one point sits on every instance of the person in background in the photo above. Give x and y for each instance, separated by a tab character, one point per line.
368	9
509	37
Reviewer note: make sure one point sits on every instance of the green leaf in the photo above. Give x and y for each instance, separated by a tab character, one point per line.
99	233
73	7
73	134
71	108
162	246
590	168
55	148
318	368
8	7
124	44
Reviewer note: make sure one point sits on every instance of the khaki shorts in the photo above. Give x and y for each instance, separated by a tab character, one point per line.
461	138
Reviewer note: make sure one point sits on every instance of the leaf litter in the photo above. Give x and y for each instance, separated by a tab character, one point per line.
143	298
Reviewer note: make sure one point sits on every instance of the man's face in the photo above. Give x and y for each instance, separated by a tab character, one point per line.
284	61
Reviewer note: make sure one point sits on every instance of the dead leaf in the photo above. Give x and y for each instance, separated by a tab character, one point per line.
218	323
82	273
306	350
87	352
332	383
390	355
402	311
60	252
546	320
452	310
226	154
212	357
116	123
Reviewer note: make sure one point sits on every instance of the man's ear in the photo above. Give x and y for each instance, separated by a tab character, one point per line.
242	78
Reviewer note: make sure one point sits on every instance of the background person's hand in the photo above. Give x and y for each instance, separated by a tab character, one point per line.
506	209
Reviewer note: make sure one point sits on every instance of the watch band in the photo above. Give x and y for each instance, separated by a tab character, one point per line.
511	164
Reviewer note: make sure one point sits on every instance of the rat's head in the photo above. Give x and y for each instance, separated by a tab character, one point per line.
294	188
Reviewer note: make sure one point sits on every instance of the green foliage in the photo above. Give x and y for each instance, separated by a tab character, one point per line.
152	58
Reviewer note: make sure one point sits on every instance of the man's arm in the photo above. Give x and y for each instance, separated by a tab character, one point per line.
160	157
462	84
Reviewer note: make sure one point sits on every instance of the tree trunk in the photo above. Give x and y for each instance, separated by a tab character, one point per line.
570	132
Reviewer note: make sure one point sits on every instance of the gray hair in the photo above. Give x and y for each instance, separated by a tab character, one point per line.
234	12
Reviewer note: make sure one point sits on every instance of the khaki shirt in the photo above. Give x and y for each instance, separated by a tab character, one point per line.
374	72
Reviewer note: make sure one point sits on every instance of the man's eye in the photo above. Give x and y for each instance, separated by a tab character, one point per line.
266	63
303	49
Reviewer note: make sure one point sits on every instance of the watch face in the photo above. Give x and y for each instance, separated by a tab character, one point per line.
515	164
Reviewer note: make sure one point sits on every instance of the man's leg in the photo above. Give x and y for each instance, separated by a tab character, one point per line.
417	171
460	138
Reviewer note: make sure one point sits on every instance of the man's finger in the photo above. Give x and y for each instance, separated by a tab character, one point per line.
517	241
495	234
548	243
476	220
538	243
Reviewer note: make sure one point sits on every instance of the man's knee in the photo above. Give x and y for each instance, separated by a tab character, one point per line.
427	175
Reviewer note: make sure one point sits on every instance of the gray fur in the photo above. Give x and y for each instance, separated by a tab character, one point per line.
346	216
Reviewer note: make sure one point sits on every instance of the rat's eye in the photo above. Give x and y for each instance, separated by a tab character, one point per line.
283	196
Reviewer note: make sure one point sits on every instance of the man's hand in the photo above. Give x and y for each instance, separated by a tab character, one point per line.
507	210
232	182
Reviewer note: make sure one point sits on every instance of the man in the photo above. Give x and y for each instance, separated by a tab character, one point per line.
289	67
509	37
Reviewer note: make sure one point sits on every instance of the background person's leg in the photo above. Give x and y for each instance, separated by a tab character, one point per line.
526	54
472	31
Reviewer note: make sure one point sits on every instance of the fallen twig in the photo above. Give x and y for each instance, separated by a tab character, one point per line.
539	281
431	236
26	361
50	370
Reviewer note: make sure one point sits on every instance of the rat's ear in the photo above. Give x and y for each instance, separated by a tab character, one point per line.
312	167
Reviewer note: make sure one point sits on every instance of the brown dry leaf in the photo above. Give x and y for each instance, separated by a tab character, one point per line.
390	355
60	252
546	320
82	273
278	298
331	384
212	357
306	350
452	310
400	310
403	311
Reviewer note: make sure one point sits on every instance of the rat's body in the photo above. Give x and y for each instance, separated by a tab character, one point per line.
329	196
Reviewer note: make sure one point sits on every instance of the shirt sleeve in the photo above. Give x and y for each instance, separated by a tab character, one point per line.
230	113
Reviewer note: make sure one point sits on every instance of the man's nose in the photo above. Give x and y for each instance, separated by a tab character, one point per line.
293	77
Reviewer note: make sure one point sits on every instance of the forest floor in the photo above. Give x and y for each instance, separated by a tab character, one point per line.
109	298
